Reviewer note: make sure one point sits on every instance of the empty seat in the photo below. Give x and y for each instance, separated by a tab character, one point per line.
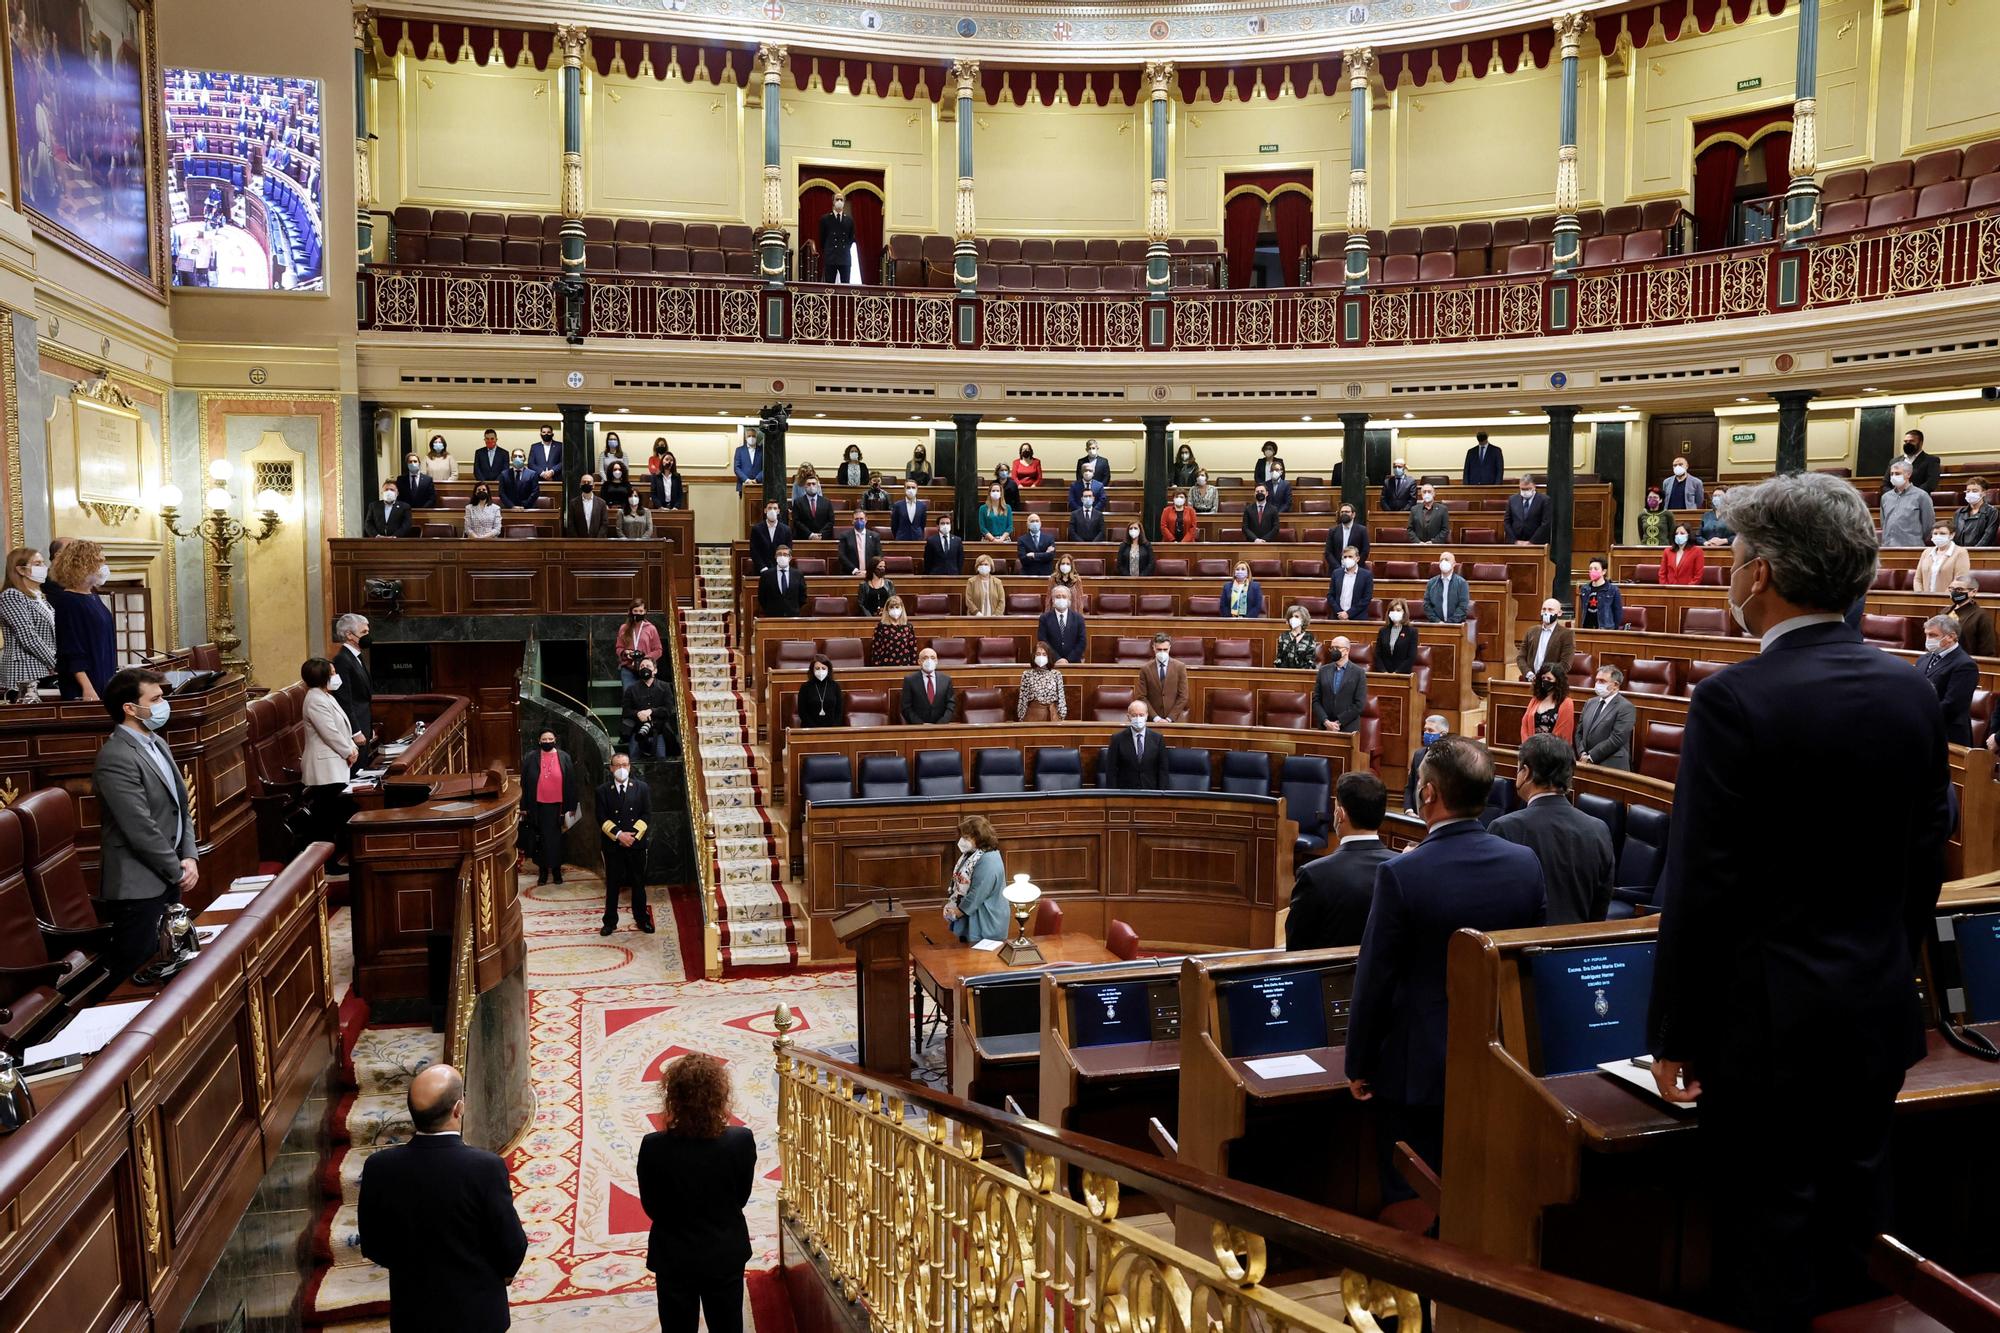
1115	603
1528	259
1058	768
487	224
1016	277
884	776
1231	708
707	263
1605	811
1246	773
1660	214
1305	785
1121	941
1983	191
1589	222
1582	670
1541	229
1405	241
1652	675
1328	272
1940	198
1038	250
1600	250
1889	178
846	653
1644	245
1051	278
736	236
1231	652
825	777
1885	631
1508	233
1289	710
1401	268
940	773
952	650
1439	238
1438	267
1844	216
29	1001
517	253
61	900
1980	159
1107	703
1622	218
1004	250
1069	250
1639	618
868	708
1121	278
1660	751
1640	858
1934	167
1705	620
635	259
932	604
1048	918
1840	186
1187	769
997	772
1084	277
997	649
982	706
703	236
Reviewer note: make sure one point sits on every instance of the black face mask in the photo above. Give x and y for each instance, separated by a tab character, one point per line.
1909	446
1958	595
480	497
548	745
365	641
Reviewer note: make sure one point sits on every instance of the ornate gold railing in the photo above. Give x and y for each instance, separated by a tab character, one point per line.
891	1189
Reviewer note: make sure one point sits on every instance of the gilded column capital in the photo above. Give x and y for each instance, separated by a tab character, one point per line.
362	18
772	58
1160	78
1360	67
1569	33
1805	137
571	39
965	73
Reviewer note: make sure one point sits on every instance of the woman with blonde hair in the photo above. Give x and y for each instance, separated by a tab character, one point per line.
895	642
695	1177
985	594
29	655
86	635
973	907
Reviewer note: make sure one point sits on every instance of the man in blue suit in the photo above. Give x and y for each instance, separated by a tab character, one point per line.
1459	877
1350	589
909	518
1061	628
1086	521
490	462
1952	674
1483	463
1528	516
1079	486
520	487
1036	549
545	456
1784	990
749	462
1447	598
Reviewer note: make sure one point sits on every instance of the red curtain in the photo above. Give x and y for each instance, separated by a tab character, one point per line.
863	187
1240	217
1715	193
1777	149
1292	211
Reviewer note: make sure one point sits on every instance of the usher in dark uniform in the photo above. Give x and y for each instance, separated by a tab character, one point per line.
836	246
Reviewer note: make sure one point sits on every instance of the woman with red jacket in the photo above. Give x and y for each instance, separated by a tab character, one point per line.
1681	560
1178	521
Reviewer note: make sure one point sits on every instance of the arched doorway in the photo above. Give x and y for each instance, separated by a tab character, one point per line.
863	187
1266	226
1741	167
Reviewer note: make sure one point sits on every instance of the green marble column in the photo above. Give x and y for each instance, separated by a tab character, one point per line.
1360	70
1159	220
1802	199
364	173
771	238
571	40
1567	252
965	231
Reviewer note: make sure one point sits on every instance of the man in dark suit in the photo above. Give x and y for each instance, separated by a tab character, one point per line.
1528	516
781	590
1604	728
415	487
520	488
1399	488
1340	690
1447	597
1162	684
1095	464
1434	727
1483	464
148	847
1061	628
748	461
928	697
860	546
1260	518
1036	550
387	517
545	456
1459	877
1976	635
1925	468
1784	992
1133	759
1331	895
910	517
836	243
767	536
622	806
439	1215
1550	642
945	552
357	687
1085	485
1086	521
1351	588
489	461
1574	849
1430	521
1952	674
587	513
1348	531
812	514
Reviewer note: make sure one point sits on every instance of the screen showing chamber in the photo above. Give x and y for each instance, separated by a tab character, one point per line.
245	186
1589	1004
1979	965
1272	1012
1110	1012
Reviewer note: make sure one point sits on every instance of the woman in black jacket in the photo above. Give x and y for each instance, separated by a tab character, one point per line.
694	1180
1135	553
820	700
1396	641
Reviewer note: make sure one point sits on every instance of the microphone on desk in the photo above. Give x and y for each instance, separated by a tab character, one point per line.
927	939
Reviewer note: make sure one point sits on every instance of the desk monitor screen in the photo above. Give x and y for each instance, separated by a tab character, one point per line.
1008	1007
1290	1009
1587	1005
1976	998
1112	1012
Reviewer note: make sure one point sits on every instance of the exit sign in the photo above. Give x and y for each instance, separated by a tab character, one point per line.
1744	437
1745	85
843	143
1267	148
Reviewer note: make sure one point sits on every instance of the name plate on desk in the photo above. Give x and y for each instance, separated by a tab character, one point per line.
1284	1066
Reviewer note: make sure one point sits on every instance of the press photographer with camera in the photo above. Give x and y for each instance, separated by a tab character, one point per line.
646	709
638	641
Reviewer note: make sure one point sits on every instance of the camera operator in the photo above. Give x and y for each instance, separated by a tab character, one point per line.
645	712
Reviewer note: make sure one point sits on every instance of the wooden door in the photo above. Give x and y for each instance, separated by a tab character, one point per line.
486	674
1694	436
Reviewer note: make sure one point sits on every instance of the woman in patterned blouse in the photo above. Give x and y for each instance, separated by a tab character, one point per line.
895	638
1296	646
1041	698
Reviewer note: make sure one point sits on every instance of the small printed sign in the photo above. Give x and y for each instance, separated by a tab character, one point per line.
1267	148
843	143
1743	437
575	379
1745	85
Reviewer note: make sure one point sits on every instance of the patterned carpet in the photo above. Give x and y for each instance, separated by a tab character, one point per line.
605	1016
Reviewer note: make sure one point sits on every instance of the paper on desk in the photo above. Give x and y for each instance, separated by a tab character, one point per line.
1284	1066
1641	1077
989	946
252	882
87	1034
228	902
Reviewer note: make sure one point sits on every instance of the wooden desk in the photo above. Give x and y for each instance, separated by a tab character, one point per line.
553	576
1108	1091
939	970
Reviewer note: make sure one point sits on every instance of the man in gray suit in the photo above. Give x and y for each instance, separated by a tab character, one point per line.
1574	849
148	839
1604	732
1340	692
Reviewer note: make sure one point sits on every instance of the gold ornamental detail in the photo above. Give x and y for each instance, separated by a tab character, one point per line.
1566	187
194	801
486	901
571	40
149	1192
325	949
1805	137
965	76
1569	33
1159	78
260	1051
1360	67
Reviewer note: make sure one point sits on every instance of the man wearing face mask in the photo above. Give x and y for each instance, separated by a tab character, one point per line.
928	697
1061	628
1351	589
1085	484
944	552
357	687
910	517
388	516
1399	488
1162	684
1280	489
1953	674
1434	727
489	461
1681	487
1086	521
520	487
767	536
1926	469
1604	732
1447	597
586	517
836	242
1135	760
1036	549
1784	983
812	514
1551	641
781	589
622	806
1340	691
1430	521
545	456
1094	464
1976	635
1974	524
1527	516
416	488
644	711
147	838
748	462
1347	532
860	545
1260	517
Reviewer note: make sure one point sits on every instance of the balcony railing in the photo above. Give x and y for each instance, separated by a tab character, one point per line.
1959	250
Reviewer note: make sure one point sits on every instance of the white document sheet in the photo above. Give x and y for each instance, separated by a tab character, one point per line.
1641	1077
87	1034
1284	1066
989	946
228	902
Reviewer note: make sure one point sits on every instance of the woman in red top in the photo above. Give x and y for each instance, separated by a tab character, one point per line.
1551	711
1178	521
1681	560
549	790
1027	468
637	638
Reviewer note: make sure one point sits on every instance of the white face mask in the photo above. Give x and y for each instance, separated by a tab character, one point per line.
1680	539
819	673
333	681
1899	481
1445	567
929	666
1680	469
1132	533
944	529
1138	725
771	516
1428	497
1932	643
1041	659
1180	502
1201	480
1401	470
784	562
909	492
1603	688
1034	527
388	497
1395	617
1062	603
100	576
895	613
985	570
1348	562
1276	473
1242	576
964	845
1974	497
1297	623
37	573
1527	495
621	775
1163	655
1940	539
1065	567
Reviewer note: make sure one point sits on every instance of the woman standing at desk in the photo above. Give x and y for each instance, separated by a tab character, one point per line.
326	758
29	656
973	907
86	638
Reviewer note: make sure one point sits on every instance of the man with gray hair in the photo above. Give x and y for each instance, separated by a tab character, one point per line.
1434	727
1784	990
1907	513
1953	674
357	687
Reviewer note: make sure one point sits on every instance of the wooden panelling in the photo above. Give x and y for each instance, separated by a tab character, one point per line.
551	576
